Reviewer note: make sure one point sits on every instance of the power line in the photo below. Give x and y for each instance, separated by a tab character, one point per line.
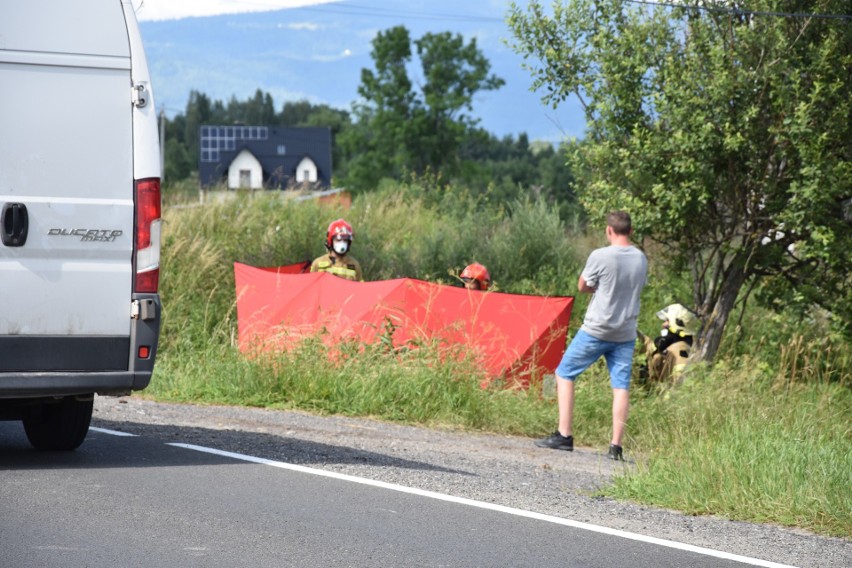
743	11
375	11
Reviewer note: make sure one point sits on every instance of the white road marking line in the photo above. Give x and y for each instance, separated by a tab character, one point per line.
111	432
489	506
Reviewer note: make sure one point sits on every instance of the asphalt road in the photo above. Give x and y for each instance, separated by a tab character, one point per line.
176	494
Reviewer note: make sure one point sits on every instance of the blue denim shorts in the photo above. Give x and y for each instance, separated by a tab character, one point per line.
585	350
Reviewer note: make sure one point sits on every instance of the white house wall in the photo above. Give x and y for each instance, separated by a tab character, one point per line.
308	166
245	160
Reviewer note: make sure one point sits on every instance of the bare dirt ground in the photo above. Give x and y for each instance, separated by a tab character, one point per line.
504	470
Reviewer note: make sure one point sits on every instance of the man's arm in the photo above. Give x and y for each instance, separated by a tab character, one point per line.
581	284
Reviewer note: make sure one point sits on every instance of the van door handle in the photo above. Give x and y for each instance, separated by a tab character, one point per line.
15	224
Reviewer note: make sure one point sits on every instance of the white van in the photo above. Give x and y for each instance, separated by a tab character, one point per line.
79	214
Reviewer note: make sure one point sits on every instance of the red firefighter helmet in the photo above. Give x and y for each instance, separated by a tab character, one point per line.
477	272
338	228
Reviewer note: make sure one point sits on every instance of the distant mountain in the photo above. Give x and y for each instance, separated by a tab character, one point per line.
317	53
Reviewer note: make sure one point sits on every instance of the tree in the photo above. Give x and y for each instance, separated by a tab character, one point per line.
179	164
401	129
198	111
304	113
376	146
453	73
726	133
295	113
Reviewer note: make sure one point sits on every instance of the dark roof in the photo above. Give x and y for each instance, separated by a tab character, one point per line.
221	144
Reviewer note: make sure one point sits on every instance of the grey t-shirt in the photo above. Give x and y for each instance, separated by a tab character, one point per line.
618	273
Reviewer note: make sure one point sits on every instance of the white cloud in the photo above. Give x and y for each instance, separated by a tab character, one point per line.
318	57
147	10
309	26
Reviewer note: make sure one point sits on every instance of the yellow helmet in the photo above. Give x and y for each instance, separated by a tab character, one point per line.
681	319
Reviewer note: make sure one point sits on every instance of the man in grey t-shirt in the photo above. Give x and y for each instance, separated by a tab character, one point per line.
615	275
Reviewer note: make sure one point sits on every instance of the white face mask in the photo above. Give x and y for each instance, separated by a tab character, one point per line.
341	247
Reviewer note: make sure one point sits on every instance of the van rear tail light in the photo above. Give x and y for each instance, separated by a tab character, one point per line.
148	213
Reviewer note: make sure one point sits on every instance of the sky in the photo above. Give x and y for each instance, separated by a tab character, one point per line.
152	10
315	50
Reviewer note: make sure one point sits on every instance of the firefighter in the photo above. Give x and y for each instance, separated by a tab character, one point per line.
476	277
667	354
338	261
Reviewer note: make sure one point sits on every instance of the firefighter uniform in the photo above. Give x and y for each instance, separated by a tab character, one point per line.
667	354
344	267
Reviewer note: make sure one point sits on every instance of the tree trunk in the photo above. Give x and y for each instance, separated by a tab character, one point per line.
714	328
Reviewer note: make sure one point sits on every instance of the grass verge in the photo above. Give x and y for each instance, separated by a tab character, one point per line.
738	444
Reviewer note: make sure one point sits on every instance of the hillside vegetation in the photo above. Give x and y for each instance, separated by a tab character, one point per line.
763	435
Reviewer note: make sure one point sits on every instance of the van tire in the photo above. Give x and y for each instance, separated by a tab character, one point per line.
59	426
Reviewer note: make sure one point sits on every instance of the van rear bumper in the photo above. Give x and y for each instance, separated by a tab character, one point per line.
49	353
46	366
36	385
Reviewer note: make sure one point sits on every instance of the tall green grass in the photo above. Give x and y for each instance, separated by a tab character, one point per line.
762	436
744	442
415	387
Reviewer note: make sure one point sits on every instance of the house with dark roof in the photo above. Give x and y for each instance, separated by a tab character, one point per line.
264	157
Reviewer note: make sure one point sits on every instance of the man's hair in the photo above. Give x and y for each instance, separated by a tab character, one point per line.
620	222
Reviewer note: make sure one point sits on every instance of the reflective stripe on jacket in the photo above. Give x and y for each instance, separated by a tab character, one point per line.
345	267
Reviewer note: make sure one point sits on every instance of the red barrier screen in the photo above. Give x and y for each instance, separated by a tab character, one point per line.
512	336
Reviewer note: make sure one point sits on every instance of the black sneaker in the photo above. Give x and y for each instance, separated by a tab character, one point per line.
557	441
615	453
